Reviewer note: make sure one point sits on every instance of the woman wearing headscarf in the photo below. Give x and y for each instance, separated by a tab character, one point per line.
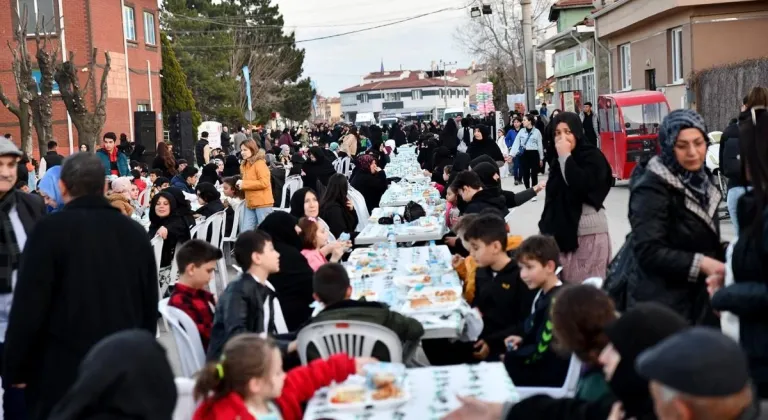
184	209
426	154
491	177
449	136
166	222
675	229
337	209
396	133
48	187
461	163
285	155
316	169
549	140
297	164
573	211
210	174
125	376
484	145
231	166
370	180
293	283
441	159
413	134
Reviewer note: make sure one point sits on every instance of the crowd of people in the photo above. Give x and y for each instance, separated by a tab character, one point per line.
80	286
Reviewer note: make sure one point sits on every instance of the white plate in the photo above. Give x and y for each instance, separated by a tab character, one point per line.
417	269
412	281
370	295
356	381
368	271
431	294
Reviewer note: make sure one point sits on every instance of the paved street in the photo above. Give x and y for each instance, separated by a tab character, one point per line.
526	217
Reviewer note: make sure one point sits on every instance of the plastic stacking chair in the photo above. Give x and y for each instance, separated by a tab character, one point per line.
566	391
293	183
157	248
228	241
358	201
186	336
355	338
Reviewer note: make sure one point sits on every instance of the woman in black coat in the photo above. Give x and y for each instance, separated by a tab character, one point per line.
316	169
209	174
231	166
337	209
441	159
297	164
491	177
745	295
209	198
427	153
484	145
184	209
166	221
370	180
293	283
449	136
675	229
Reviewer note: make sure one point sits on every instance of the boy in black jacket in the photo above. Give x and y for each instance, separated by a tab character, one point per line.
500	296
530	359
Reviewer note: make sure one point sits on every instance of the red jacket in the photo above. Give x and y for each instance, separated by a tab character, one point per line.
300	385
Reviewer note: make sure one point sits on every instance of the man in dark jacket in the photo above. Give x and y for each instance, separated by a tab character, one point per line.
471	188
52	158
186	180
333	291
225	139
69	297
19	213
730	165
202	150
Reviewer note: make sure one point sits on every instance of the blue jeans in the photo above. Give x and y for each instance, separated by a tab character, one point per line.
515	168
732	199
14	406
252	218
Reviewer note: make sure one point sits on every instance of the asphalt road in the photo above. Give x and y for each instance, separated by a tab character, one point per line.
526	217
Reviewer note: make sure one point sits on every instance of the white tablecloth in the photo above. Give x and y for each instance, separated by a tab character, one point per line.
436	325
433	393
376	233
402	193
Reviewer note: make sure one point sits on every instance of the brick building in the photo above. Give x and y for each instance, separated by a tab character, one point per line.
128	29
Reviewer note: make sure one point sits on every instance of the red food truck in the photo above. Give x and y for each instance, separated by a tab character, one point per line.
629	128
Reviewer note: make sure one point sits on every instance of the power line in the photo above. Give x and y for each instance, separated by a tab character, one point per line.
326	36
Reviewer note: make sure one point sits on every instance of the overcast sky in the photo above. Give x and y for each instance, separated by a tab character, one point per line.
338	63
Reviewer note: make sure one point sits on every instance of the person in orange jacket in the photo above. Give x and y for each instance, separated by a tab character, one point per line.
249	383
256	182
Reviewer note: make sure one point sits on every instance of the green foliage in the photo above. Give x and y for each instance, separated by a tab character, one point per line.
298	100
176	94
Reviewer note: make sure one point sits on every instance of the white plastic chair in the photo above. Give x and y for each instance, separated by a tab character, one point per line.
355	338
157	248
358	201
715	136
343	165
186	336
293	183
594	281
566	391
193	233
214	223
228	241
185	402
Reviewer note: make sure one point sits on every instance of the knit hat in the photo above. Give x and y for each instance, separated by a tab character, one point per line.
334	146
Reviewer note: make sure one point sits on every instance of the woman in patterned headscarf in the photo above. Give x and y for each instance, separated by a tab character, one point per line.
675	229
370	180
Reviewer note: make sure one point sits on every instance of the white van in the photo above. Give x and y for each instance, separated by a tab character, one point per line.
365	118
454	112
388	121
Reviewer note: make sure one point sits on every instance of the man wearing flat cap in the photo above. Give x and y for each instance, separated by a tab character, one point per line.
699	374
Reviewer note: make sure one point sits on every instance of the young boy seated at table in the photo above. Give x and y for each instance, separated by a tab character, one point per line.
500	295
466	268
530	359
196	260
249	304
332	290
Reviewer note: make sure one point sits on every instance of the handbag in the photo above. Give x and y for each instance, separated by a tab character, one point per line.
413	211
616	283
521	148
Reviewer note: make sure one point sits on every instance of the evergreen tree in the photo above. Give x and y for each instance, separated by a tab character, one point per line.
177	96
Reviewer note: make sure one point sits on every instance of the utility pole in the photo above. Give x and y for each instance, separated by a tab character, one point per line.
530	65
445	81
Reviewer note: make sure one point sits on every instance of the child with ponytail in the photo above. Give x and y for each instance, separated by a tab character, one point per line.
249	383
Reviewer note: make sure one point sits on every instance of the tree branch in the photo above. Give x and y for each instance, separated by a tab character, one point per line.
101	108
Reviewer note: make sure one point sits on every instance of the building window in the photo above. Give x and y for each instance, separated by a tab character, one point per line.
149	28
392	96
677	55
37	76
416	94
38	12
129	23
364	98
142	108
625	67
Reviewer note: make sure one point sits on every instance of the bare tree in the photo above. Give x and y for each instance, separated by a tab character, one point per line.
497	39
42	105
88	124
26	87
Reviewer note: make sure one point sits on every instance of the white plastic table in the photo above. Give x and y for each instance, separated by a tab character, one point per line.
432	392
447	324
376	233
402	193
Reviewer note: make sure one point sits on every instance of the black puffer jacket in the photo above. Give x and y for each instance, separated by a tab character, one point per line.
747	297
487	199
670	234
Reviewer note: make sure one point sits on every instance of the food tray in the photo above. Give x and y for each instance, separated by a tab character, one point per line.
370	295
432	295
359	384
370	270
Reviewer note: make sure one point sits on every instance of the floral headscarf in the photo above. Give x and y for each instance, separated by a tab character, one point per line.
677	121
364	162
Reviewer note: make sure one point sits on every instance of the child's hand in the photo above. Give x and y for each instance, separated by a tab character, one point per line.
512	342
337	252
456	260
361	362
481	350
293	346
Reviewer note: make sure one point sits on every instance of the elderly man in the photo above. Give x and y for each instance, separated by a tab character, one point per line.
699	374
18	214
87	272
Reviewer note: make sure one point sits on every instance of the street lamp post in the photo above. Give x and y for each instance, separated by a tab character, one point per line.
445	81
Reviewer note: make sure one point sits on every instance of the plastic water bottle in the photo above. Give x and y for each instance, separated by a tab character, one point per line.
432	250
391	239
